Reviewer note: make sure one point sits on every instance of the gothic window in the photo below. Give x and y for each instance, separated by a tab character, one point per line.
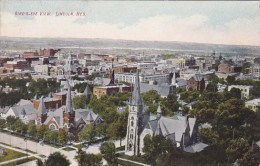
52	127
133	108
132	123
132	118
130	147
131	136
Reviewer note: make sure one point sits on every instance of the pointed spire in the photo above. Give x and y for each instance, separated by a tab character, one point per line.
159	112
136	95
41	108
69	100
87	91
174	79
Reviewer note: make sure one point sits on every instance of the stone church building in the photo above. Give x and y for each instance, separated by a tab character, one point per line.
180	129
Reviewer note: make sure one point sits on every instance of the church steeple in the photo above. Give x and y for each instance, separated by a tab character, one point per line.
69	107
41	108
136	95
41	113
135	121
159	112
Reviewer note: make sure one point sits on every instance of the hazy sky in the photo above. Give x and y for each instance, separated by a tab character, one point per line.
219	22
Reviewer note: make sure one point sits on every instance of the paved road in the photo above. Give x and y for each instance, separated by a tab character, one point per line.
36	147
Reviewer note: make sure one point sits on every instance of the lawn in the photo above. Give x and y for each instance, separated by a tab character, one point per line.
11	154
21	161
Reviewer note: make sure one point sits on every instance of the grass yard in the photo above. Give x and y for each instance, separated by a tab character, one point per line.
21	161
11	154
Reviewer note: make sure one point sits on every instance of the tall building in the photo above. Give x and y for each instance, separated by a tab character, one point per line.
135	121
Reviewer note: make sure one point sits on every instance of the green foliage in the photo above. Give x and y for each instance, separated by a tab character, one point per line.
85	159
189	96
251	157
51	135
212	87
108	150
32	129
10	122
209	136
156	147
57	159
40	131
19	126
2	124
62	137
236	149
80	101
87	133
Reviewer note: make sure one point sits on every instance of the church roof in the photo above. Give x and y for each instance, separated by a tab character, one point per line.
86	114
176	125
198	147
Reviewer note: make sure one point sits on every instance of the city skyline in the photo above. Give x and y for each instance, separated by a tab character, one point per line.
229	23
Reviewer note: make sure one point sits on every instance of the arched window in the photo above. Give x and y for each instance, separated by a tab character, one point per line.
132	123
52	127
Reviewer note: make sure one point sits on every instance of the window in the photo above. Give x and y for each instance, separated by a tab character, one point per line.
52	127
132	123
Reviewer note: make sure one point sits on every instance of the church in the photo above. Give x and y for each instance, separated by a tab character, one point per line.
181	130
66	117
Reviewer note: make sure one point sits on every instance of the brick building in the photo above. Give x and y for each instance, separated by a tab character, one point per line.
19	64
30	54
110	90
196	82
227	68
125	69
48	52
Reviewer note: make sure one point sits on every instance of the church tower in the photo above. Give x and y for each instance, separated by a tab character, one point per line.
135	120
68	114
41	113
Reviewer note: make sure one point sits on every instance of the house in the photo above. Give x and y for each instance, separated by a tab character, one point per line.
253	104
196	82
25	112
245	90
227	68
181	130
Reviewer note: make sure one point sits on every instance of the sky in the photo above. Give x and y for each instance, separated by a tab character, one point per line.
217	22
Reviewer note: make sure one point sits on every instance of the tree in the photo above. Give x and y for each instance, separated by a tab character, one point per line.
251	158
32	129
156	147
51	136
209	136
80	101
40	131
85	159
212	87
235	93
57	159
20	127
117	130
10	121
236	149
108	150
62	137
231	79
87	133
2	124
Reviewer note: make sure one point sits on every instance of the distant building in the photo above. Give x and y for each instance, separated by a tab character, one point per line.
253	104
30	54
48	52
110	90
196	82
245	90
17	64
227	68
130	78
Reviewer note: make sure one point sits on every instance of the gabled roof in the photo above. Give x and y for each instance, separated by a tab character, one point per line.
198	147
176	125
86	114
